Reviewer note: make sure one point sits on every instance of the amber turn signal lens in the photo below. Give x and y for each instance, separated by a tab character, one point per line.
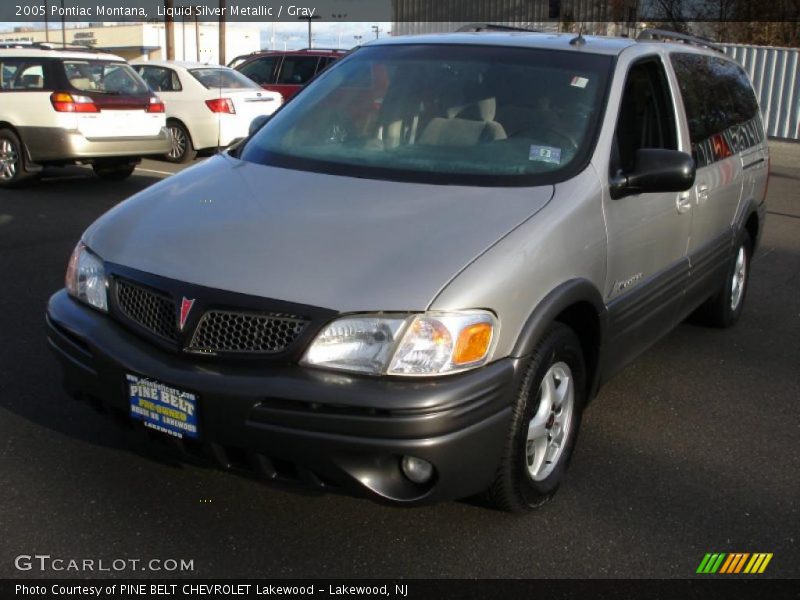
473	343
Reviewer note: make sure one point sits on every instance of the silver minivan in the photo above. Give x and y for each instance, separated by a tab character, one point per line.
410	281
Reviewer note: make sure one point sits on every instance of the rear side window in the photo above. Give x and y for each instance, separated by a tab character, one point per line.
297	70
721	108
260	70
160	79
22	74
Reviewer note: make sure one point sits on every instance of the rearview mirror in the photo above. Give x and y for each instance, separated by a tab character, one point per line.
257	124
656	170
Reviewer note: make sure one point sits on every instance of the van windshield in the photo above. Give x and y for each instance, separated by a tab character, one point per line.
455	114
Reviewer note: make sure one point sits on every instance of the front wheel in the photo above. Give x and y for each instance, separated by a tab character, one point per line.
545	424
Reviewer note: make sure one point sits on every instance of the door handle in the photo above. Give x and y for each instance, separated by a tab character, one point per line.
702	193
684	203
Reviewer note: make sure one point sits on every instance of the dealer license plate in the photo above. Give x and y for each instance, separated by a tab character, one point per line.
163	408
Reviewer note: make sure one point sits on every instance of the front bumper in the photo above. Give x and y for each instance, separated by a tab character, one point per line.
330	430
46	144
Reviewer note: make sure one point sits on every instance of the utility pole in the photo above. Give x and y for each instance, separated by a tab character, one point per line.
310	40
169	28
196	11
63	26
377	31
222	32
46	26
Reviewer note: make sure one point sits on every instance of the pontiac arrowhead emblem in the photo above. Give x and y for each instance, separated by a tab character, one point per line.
186	308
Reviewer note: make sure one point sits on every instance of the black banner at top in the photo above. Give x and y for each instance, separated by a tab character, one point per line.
401	11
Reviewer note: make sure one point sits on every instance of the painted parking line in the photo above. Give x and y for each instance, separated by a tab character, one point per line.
167	173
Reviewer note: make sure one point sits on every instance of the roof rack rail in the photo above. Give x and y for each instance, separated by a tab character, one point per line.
49	46
320	49
477	27
664	35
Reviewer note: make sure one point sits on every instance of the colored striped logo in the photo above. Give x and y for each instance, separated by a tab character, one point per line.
734	563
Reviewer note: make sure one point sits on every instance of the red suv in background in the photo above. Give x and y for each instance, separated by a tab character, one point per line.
285	72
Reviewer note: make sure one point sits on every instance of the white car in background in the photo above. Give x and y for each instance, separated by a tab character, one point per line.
65	106
208	106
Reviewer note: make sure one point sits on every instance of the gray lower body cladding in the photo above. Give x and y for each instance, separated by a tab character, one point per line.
287	422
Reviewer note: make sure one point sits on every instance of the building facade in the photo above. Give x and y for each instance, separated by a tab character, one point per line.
147	41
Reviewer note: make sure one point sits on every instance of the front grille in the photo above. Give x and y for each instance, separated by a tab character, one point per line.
149	309
246	333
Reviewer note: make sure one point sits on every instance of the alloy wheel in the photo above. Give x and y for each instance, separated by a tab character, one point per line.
551	424
178	142
739	278
8	160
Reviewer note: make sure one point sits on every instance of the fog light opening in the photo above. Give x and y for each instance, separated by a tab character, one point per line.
416	469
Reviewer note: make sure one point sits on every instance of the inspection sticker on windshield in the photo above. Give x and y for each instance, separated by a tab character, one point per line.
579	82
162	408
546	154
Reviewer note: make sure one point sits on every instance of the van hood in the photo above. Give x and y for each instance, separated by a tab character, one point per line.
342	243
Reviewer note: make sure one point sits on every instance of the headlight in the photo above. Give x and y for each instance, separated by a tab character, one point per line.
426	344
86	278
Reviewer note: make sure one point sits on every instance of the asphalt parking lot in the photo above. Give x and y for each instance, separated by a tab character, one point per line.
692	449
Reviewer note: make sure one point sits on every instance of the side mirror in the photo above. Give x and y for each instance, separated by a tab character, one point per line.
656	170
257	124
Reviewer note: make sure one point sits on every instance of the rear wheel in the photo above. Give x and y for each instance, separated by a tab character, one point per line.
12	160
114	172
181	149
545	424
725	307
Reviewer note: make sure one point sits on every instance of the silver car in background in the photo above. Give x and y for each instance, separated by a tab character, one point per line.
413	278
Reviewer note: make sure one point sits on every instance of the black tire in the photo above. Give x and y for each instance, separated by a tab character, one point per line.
13	171
515	489
182	149
721	310
114	172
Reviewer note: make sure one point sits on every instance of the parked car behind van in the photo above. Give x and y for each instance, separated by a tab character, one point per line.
208	106
61	107
415	301
285	72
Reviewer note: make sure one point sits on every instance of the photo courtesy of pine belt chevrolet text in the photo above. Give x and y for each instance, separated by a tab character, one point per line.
408	282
